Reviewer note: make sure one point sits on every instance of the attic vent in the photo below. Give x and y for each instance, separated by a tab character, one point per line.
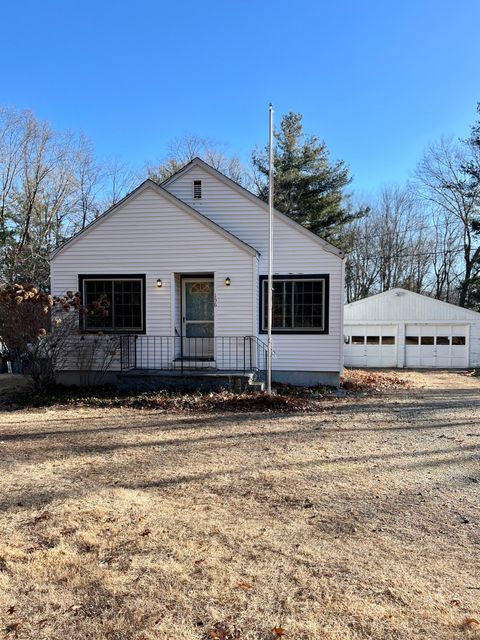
197	189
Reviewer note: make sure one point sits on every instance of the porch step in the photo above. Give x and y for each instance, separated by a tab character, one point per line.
175	380
198	364
256	385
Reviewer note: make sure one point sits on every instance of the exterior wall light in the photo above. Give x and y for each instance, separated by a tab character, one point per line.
159	283
228	282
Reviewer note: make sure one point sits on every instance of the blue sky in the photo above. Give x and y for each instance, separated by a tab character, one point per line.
377	80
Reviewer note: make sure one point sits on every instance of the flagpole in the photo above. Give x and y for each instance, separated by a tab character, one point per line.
270	249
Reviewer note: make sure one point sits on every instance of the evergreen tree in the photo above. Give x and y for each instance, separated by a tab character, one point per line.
471	168
309	187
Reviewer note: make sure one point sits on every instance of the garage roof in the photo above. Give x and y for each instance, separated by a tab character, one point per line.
406	306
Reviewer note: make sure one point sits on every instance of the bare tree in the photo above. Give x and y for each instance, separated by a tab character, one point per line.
442	182
117	179
87	173
12	125
389	246
51	185
446	246
184	149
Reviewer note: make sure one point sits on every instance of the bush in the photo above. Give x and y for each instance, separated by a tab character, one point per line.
42	334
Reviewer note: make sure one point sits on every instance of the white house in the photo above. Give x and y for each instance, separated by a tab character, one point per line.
184	266
399	328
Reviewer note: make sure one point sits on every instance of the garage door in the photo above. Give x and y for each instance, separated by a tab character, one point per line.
371	346
436	346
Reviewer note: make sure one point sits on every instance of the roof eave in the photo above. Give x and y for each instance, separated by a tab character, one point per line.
150	184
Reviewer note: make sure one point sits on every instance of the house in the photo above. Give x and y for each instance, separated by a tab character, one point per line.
184	266
399	328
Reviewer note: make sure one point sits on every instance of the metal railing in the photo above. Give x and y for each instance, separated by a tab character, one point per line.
218	353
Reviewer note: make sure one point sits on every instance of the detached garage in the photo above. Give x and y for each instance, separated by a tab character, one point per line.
399	328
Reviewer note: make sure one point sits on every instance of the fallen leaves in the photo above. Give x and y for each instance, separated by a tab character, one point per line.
46	515
372	381
225	630
245	585
13	627
3	564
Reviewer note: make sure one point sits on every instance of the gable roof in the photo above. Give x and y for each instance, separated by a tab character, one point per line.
198	162
398	291
150	184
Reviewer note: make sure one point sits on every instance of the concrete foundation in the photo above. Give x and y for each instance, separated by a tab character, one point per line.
307	378
152	380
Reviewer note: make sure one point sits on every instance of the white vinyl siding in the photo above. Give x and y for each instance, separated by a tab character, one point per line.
150	235
295	253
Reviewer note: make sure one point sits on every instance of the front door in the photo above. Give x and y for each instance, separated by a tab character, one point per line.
197	318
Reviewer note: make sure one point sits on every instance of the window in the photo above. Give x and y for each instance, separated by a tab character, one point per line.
373	339
458	340
411	340
388	339
197	189
346	339
300	304
358	339
124	296
443	340
427	340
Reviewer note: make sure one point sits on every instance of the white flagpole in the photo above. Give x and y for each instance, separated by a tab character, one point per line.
270	250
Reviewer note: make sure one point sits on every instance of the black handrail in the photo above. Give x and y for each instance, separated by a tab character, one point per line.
220	353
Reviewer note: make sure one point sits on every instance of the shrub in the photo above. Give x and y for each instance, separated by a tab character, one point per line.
42	334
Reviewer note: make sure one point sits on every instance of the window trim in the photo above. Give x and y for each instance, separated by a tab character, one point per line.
296	330
115	276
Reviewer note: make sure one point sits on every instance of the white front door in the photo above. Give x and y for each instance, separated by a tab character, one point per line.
197	318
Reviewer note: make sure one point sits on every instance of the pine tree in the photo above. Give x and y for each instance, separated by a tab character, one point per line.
309	187
470	287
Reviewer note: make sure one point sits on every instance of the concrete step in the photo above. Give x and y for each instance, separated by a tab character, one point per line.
174	380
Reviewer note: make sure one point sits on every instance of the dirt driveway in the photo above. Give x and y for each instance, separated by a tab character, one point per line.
359	521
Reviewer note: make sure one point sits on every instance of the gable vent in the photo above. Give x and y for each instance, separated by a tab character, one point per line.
197	189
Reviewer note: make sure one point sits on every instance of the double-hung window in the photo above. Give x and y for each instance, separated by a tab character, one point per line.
122	303
299	304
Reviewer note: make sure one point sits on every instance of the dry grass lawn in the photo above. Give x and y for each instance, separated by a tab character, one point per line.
359	521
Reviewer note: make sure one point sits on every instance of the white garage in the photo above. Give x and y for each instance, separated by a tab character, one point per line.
399	328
